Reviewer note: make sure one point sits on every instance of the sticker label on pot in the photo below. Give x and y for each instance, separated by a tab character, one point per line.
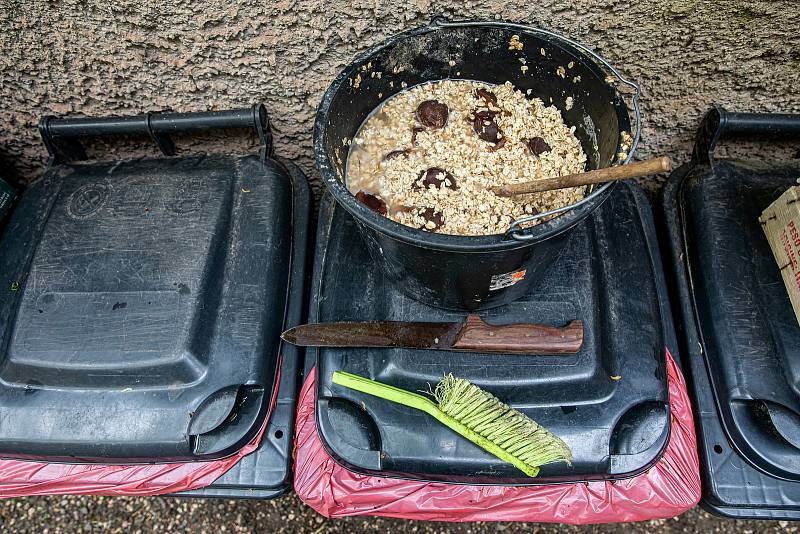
500	281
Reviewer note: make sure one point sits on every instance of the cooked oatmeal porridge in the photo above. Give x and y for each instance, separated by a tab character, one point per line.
428	156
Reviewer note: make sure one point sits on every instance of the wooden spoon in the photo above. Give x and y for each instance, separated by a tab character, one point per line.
620	172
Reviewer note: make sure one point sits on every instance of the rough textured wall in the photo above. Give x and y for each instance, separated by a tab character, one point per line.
123	56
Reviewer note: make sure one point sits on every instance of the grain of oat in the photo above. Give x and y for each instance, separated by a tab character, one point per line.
466	207
515	43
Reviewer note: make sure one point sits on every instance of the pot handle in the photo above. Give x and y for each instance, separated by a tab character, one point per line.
515	231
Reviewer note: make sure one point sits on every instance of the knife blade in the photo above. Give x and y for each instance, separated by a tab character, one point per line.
471	335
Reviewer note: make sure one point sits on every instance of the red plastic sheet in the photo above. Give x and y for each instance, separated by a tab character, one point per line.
23	478
669	488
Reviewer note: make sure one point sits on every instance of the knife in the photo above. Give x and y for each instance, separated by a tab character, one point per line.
472	335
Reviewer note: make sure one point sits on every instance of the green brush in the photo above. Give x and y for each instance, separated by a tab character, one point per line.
477	415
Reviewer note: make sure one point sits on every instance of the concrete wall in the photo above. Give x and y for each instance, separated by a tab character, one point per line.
124	56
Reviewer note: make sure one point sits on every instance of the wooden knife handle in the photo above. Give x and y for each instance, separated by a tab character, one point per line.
477	336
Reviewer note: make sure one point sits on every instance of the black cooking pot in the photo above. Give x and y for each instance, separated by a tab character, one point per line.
475	272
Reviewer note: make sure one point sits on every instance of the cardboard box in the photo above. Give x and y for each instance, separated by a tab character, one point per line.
781	223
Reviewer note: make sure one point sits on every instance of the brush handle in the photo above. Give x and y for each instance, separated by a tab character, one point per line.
384	391
413	400
608	174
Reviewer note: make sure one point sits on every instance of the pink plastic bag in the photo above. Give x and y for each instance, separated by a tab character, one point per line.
20	478
669	488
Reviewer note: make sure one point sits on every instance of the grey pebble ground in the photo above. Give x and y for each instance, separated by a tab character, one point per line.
133	515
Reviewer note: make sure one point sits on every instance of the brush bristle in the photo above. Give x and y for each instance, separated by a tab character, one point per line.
508	428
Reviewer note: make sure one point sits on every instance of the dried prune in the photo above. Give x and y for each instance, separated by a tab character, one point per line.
432	216
485	127
432	114
488	96
436	177
538	146
497	146
396	154
414	131
372	202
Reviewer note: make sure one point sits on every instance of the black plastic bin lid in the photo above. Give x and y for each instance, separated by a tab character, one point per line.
142	304
266	472
609	402
741	338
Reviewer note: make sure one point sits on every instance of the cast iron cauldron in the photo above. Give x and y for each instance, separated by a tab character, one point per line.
475	272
